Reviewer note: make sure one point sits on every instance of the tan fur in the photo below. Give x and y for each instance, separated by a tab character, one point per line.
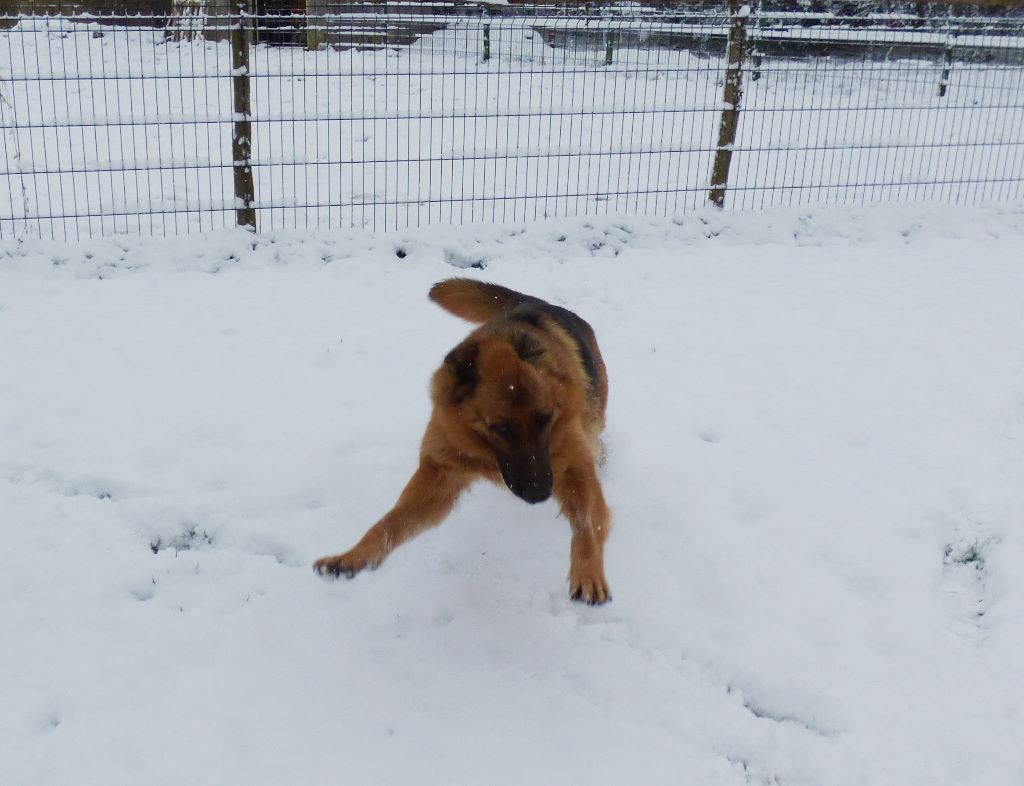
520	366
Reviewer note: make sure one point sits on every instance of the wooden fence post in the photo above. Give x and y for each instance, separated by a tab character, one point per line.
732	95
947	54
753	51
947	66
316	22
241	138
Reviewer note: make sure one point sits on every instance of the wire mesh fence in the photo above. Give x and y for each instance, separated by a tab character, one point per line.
204	114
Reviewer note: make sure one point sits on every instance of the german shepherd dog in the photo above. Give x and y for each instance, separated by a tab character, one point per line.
521	400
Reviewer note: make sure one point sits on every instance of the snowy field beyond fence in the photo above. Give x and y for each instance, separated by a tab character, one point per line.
816	471
109	129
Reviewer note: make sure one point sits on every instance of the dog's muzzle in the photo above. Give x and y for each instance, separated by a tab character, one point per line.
528	478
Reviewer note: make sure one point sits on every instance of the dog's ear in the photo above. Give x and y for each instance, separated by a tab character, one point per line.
461	364
527	347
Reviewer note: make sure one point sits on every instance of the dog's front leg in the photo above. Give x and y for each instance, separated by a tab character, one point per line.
579	492
427	499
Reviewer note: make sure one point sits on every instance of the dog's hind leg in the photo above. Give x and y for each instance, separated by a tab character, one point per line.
427	499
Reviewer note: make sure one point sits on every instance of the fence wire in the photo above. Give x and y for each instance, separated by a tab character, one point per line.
399	115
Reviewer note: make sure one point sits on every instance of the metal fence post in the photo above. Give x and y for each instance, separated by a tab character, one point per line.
732	95
241	138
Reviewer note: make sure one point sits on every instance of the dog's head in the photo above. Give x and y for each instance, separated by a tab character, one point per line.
508	407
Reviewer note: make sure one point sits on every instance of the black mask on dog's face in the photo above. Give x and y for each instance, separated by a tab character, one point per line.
527	474
523	457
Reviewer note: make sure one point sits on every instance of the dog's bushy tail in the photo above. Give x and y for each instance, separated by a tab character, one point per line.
475	301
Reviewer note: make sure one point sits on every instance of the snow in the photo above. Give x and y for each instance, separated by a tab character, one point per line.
815	465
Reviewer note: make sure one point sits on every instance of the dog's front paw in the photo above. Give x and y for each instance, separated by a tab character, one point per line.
347	565
588	585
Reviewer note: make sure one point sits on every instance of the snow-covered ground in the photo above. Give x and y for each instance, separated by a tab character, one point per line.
816	468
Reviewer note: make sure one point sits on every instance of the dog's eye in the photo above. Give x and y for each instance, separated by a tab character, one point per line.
501	428
543	418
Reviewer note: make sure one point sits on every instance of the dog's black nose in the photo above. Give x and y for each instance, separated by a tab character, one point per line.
533	494
527	478
530	491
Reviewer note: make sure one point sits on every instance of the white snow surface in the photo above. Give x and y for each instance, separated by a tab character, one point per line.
816	470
